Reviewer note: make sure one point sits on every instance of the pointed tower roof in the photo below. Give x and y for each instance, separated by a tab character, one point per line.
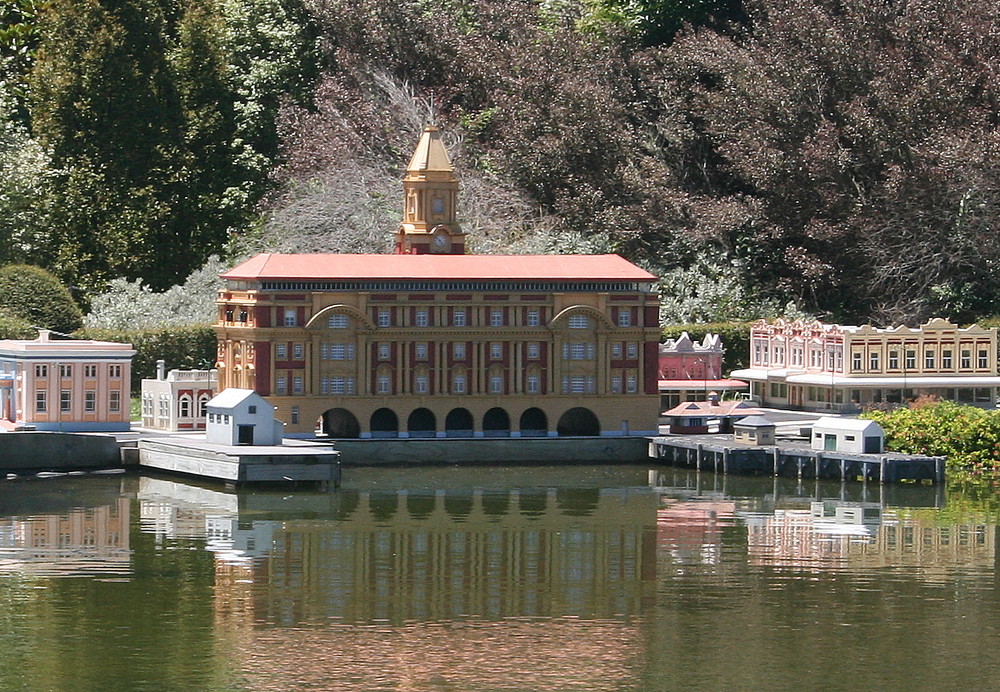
430	154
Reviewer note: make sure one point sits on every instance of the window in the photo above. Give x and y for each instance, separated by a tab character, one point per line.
579	322
202	404
458	384
420	384
458	351
281	384
929	359
946	359
633	351
65	370
251	409
114	401
298	351
856	361
533	318
383	351
281	351
911	360
295	415
115	371
184	407
291	317
496	384
41	371
616	384
65	401
40	401
147	405
337	322
966	359
458	318
90	371
337	351
384	318
983	358
420	350
616	350
631	384
297	384
577	385
533	384
624	317
533	350
893	360
383	384
421	319
90	401
496	351
229	314
496	318
578	350
243	315
873	362
337	385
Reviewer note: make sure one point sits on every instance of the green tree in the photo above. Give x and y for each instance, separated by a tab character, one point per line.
36	296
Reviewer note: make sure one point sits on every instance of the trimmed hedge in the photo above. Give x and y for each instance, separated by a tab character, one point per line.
15	328
39	298
735	339
184	348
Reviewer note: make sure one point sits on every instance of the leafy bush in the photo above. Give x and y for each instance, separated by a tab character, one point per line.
130	305
36	296
968	436
735	338
181	347
15	328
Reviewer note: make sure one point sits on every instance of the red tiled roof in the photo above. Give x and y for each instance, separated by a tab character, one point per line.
703	408
470	267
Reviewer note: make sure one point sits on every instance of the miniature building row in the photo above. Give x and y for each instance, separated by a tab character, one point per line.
430	342
812	365
65	384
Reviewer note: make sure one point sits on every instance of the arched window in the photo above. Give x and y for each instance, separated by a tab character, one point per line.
184	406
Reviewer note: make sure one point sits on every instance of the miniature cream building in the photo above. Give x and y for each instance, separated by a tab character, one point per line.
242	417
853	435
65	384
817	366
178	400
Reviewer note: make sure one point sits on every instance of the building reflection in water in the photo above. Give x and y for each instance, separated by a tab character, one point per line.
472	589
70	541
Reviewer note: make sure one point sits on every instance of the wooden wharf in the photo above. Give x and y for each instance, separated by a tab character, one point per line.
791	461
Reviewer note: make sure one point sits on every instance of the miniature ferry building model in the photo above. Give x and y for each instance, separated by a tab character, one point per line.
431	342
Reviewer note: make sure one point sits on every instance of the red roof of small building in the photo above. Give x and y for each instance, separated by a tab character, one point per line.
470	267
709	408
694	383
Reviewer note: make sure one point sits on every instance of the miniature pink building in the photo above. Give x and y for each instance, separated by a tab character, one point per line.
68	385
689	370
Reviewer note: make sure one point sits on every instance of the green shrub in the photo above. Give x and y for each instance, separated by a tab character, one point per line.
15	328
968	436
36	296
735	339
181	347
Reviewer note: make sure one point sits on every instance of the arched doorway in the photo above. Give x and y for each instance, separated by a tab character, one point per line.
384	423
421	423
534	423
496	423
340	423
577	422
458	423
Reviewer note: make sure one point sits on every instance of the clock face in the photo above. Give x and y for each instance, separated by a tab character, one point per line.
440	240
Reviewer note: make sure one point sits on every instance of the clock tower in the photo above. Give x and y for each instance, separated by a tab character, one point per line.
430	196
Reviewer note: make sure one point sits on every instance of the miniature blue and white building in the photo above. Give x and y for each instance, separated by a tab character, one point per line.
242	417
853	435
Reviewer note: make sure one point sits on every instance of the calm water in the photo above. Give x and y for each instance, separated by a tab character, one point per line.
568	578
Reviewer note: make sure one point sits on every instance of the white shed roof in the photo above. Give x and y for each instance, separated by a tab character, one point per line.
231	397
848	425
